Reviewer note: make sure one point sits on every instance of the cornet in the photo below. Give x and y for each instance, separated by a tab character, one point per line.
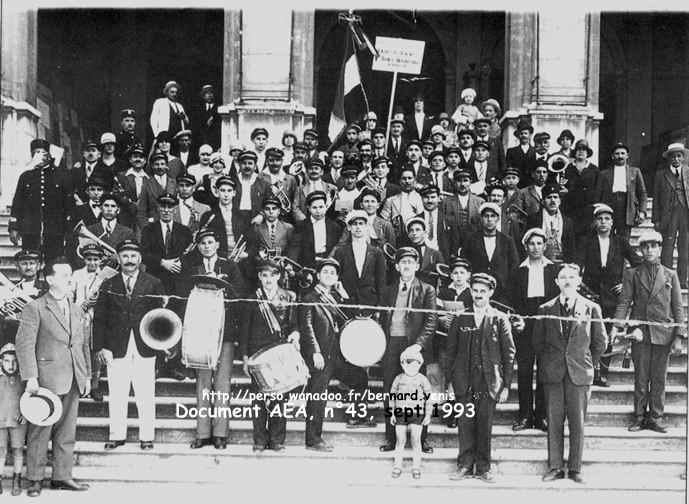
279	193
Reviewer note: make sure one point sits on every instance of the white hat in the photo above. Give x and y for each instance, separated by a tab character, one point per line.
488	205
467	92
182	133
205	148
651	236
371	115
437	129
600	208
356	214
411	353
533	232
676	147
43	408
217	156
107	138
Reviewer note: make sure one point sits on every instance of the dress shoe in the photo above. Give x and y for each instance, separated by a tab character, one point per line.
554	474
522	424
637	425
541	424
358	423
34	489
387	447
451	422
199	443
486	477
219	442
277	447
426	448
97	395
16	484
69	484
575	476
461	473
656	426
258	448
321	446
146	445
111	445
601	382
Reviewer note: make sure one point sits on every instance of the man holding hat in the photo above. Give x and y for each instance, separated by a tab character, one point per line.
623	189
533	283
568	343
317	234
189	211
168	113
209	119
651	292
126	138
53	352
42	204
123	301
490	251
671	208
602	259
406	329
480	363
519	156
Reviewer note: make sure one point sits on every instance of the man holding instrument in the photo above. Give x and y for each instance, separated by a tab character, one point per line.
274	320
214	431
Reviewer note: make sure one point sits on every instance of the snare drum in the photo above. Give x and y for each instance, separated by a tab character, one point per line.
278	368
362	341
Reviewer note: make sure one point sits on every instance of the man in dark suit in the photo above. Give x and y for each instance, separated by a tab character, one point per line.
160	182
442	233
405	329
518	156
397	147
126	138
439	175
418	123
466	139
671	209
123	301
480	362
89	213
53	352
463	208
529	199
89	166
490	251
131	184
568	345
602	259
251	191
317	235
185	155
209	122
414	162
108	228
222	218
541	147
272	237
560	242
532	284
321	350
429	255
624	190
496	158
651	292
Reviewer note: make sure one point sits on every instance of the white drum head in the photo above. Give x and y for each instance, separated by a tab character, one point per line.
362	342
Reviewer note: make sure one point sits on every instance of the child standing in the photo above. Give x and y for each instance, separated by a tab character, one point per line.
409	390
12	425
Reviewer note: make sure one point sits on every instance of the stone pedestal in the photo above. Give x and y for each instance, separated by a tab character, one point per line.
552	74
268	74
19	113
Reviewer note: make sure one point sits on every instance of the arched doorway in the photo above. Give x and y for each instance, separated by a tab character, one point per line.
330	43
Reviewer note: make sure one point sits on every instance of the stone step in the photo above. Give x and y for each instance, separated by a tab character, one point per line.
602	415
209	464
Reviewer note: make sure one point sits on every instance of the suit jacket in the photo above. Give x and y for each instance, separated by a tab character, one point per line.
116	315
259	238
600	278
497	352
209	134
568	236
529	201
496	160
450	206
519	286
176	167
665	197
657	302
119	233
392	208
420	326
318	326
79	179
197	210
52	349
299	203
579	350
516	158
397	157
218	225
254	333
259	190
492	171
367	288
412	129
129	201
636	193
148	200
303	250
505	260
153	250
446	232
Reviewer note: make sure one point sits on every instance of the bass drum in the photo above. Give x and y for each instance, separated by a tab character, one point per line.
362	341
278	368
204	322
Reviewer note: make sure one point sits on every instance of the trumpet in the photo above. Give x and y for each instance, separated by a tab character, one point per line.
238	250
279	193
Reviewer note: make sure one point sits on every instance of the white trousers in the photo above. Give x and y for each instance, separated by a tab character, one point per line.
138	371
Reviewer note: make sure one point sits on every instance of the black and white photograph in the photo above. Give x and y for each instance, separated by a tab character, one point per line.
331	252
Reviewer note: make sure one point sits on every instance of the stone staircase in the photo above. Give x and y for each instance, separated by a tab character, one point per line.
614	459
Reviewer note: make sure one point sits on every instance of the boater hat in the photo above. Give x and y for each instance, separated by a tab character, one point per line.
43	408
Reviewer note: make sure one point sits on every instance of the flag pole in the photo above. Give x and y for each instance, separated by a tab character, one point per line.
392	102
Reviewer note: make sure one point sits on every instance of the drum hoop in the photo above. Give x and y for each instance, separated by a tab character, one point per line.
264	349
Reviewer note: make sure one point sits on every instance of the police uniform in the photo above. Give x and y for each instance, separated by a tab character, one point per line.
124	140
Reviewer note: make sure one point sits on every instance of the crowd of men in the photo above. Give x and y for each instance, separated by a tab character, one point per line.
438	216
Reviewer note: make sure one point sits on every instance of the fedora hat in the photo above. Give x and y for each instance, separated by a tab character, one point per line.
43	408
676	147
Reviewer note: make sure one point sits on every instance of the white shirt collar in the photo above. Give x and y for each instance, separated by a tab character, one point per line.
135	173
542	263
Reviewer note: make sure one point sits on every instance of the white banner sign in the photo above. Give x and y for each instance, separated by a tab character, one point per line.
399	55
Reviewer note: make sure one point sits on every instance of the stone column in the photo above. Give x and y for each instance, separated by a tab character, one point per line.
19	109
268	73
552	74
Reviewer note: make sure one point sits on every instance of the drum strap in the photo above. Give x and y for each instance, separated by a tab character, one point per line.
267	312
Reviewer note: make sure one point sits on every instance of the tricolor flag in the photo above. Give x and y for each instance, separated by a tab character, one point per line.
350	100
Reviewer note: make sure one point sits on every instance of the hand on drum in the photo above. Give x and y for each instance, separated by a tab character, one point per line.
105	356
172	265
293	338
318	361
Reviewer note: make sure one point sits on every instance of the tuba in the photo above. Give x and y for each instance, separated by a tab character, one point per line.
557	163
160	329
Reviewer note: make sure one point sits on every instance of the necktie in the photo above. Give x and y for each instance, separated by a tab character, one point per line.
128	286
271	227
437	182
65	308
431	231
404	286
168	235
108	229
676	172
208	265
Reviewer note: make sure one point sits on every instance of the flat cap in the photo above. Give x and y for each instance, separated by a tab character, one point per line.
485	279
403	252
128	245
